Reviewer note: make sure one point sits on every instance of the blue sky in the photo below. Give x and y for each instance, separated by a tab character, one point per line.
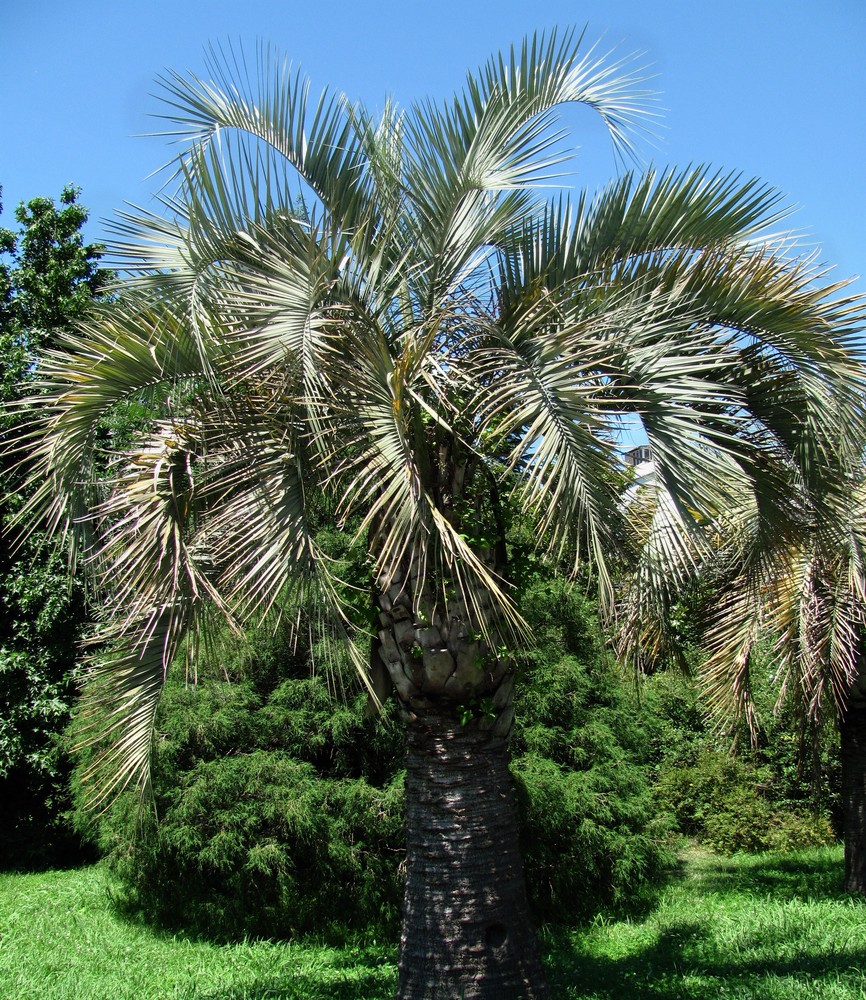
774	88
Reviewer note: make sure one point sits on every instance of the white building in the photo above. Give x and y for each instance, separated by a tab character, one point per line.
640	460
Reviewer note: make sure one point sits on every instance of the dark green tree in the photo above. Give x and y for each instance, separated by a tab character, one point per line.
48	276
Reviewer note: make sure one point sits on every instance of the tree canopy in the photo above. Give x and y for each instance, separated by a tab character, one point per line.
426	343
48	277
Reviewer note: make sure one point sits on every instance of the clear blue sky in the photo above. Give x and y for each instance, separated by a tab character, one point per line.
774	88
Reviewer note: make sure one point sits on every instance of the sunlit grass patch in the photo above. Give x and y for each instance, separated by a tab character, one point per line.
59	938
766	927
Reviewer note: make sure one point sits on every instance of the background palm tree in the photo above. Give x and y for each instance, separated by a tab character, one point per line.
806	589
384	312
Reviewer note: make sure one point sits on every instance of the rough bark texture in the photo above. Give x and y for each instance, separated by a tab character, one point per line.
434	656
466	929
852	728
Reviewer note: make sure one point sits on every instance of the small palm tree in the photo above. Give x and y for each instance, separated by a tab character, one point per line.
798	580
806	588
382	318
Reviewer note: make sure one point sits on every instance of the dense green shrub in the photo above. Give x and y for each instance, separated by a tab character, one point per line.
272	818
776	795
261	844
728	803
590	836
281	807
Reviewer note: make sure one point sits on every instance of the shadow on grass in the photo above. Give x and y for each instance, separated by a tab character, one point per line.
684	963
785	877
670	970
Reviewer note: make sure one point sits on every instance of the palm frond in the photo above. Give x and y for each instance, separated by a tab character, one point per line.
498	137
272	105
123	690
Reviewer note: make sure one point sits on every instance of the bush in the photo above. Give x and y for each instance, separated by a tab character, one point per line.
260	844
755	799
726	803
281	807
590	836
272	818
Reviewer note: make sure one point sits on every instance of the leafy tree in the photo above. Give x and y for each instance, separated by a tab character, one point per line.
430	341
48	276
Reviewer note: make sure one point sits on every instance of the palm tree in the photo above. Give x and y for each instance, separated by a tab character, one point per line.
799	581
807	589
385	313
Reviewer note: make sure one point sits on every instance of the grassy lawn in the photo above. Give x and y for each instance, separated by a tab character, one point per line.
764	928
59	938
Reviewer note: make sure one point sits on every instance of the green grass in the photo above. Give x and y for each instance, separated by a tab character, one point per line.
60	938
762	927
770	927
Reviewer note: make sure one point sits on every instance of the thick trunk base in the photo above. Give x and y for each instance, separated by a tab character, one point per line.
466	929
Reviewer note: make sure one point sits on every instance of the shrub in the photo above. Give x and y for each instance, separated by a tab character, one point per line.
272	818
590	836
755	799
727	803
260	844
281	807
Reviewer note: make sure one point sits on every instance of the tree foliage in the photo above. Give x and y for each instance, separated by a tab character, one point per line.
48	277
778	791
591	835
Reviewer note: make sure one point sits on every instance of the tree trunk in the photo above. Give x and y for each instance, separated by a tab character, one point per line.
466	929
852	730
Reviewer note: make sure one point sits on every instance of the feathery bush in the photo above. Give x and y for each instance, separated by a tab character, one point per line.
280	806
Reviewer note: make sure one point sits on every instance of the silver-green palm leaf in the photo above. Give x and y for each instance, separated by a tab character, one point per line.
381	311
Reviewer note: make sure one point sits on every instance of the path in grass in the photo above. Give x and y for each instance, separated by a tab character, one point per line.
773	927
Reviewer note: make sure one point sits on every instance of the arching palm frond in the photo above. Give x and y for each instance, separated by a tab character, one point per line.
153	587
474	163
384	312
271	106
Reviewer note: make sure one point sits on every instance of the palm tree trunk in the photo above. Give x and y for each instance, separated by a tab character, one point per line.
852	730
466	929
